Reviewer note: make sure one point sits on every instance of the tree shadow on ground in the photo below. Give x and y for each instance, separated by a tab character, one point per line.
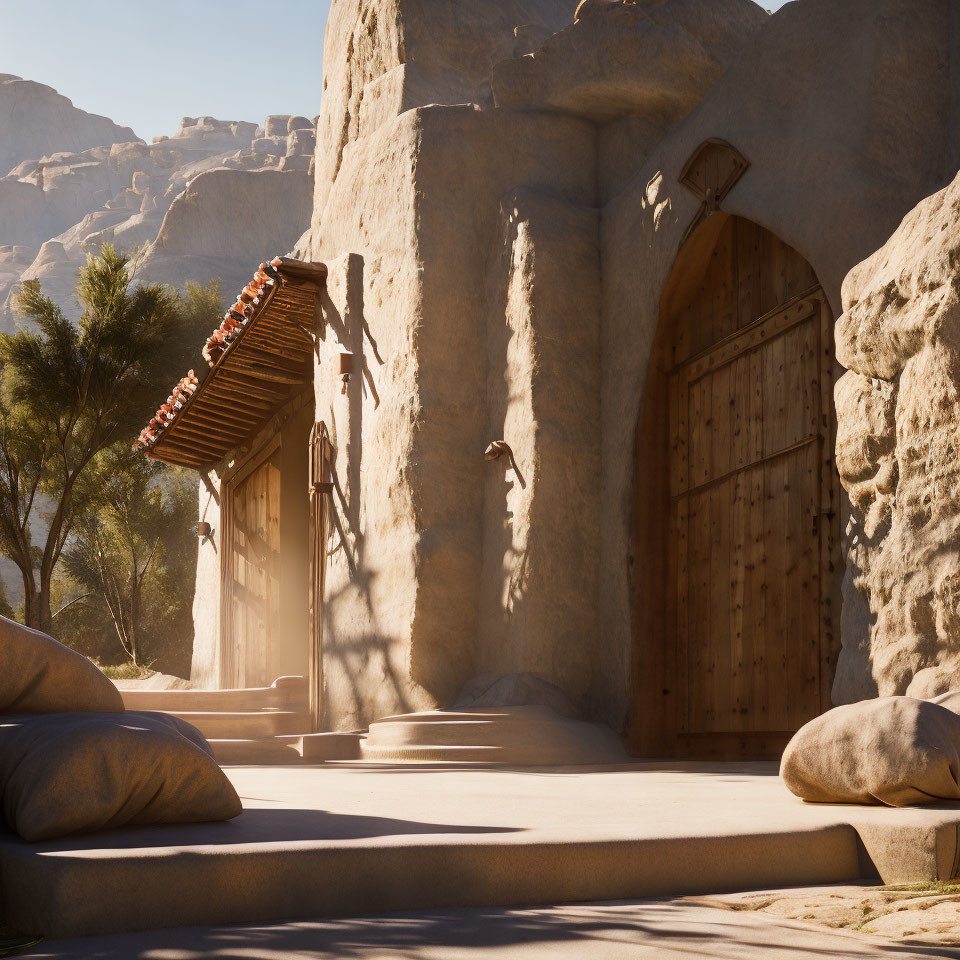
653	930
257	825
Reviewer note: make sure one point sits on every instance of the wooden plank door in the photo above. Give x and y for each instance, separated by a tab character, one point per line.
255	574
750	490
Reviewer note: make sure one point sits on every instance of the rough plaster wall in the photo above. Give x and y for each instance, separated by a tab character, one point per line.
655	58
383	58
899	413
371	580
403	624
205	668
841	109
371	310
541	540
495	152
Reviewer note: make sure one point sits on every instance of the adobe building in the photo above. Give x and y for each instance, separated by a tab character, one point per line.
605	244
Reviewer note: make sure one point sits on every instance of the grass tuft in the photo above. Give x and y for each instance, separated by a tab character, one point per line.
124	671
935	887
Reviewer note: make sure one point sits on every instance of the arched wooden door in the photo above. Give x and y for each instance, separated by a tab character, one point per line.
751	585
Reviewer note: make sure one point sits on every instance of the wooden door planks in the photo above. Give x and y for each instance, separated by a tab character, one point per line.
254	575
751	546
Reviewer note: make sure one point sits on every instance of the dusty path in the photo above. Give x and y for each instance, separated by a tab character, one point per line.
642	930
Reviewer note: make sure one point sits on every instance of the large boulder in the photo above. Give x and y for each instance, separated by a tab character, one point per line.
897	751
898	413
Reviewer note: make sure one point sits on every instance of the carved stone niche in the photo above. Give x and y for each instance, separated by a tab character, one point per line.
710	174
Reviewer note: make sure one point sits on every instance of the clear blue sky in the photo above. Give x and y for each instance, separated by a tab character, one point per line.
146	63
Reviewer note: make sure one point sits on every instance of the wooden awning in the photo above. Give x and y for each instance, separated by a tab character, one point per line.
269	360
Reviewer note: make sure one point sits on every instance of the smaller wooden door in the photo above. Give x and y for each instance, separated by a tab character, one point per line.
255	575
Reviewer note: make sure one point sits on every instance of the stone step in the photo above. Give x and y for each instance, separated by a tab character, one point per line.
339	840
258	724
297	748
286	693
434	754
474	732
522	735
265	750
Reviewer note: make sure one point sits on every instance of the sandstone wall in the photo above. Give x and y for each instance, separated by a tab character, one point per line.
467	272
205	666
539	590
411	296
381	59
898	408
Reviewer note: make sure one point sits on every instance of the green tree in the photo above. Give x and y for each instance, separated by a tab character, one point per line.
68	391
133	553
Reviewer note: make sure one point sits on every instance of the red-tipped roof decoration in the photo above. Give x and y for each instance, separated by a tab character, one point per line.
259	356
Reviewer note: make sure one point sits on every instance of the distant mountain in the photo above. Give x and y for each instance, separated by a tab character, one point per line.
36	120
213	200
57	207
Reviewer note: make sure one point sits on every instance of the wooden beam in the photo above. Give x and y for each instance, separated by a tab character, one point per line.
191	441
216	420
204	436
262	372
282	337
251	390
273	359
292	335
180	450
293	308
230	419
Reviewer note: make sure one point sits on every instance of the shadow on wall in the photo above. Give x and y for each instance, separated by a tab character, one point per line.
505	564
351	331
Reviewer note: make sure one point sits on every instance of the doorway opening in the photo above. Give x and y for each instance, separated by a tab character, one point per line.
736	561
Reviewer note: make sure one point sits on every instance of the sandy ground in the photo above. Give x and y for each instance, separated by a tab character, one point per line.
637	930
920	913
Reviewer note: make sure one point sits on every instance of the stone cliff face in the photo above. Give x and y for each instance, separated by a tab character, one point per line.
36	120
898	452
58	207
226	222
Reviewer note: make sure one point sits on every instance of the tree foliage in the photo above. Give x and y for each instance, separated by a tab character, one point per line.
69	391
131	562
